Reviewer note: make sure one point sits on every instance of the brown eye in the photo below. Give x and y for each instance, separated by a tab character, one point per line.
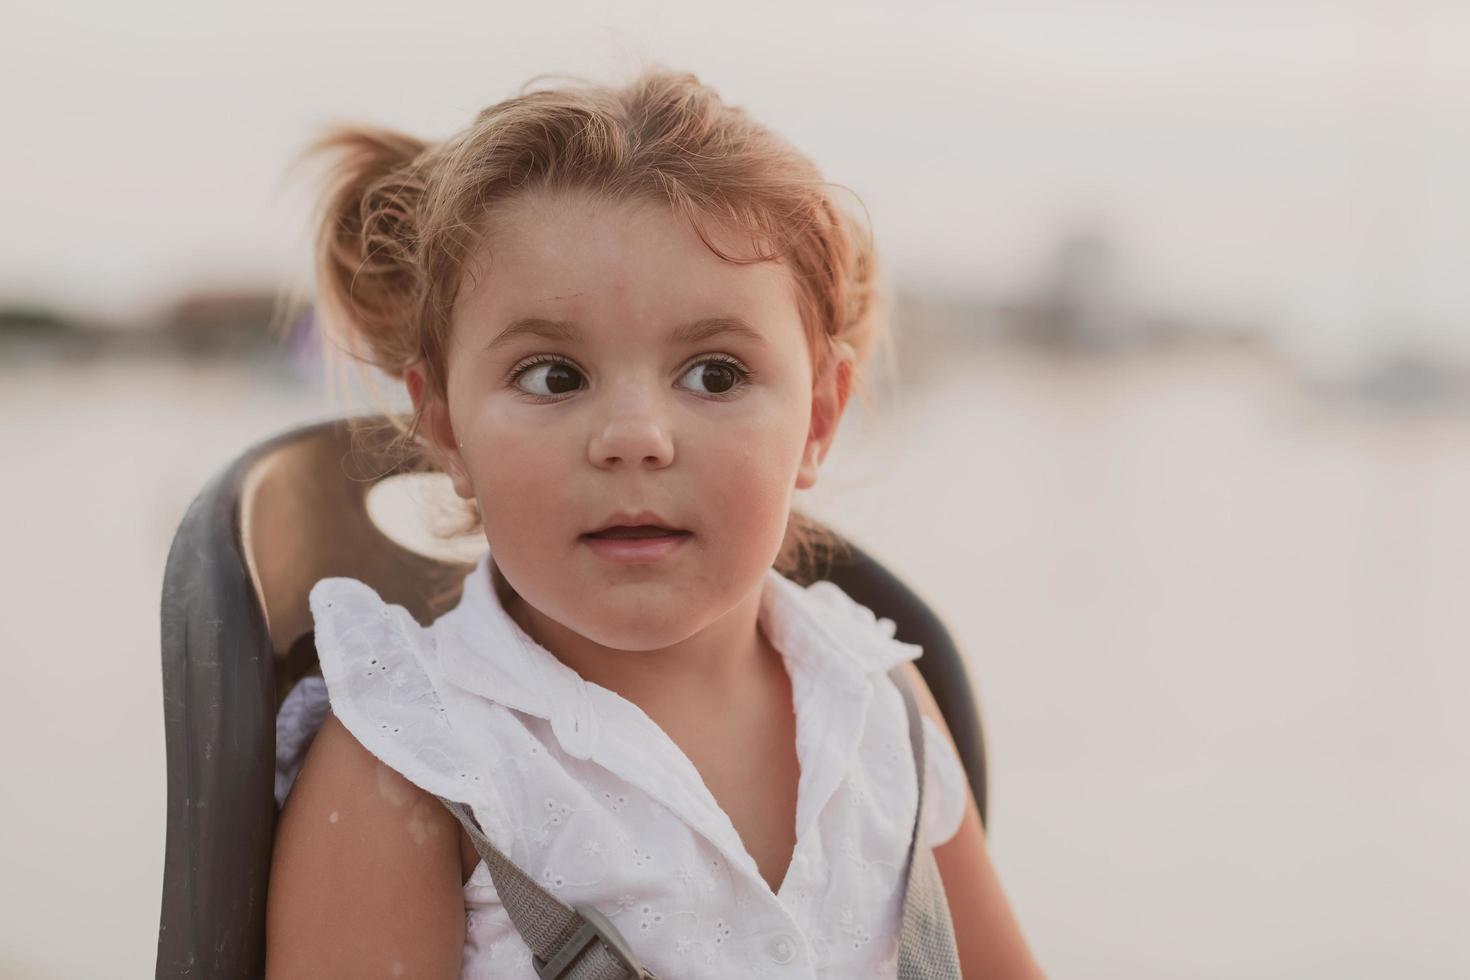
719	377
559	377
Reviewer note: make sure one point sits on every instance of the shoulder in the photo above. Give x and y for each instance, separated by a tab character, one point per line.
928	707
990	939
947	790
366	869
823	615
379	667
869	641
387	686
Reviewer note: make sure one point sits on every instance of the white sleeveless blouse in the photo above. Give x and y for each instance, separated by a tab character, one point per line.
589	796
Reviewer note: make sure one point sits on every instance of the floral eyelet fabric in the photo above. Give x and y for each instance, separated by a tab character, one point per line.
585	793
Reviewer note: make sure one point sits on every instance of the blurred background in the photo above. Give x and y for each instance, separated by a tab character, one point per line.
1177	442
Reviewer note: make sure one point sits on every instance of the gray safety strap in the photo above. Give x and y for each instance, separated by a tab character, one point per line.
567	943
926	943
579	943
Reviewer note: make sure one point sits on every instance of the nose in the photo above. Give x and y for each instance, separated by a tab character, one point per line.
633	430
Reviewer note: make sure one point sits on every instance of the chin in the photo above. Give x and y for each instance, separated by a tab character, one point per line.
649	630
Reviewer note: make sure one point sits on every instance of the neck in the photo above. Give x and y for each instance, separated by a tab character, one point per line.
719	661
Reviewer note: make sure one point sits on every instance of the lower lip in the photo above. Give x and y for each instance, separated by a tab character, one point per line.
636	551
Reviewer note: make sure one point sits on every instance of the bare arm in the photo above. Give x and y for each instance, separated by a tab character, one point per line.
991	944
366	873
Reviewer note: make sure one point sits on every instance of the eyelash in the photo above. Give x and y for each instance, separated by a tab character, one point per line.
744	373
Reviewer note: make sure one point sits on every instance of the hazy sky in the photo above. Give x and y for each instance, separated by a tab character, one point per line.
1298	164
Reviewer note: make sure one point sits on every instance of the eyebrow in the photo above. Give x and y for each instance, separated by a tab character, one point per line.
569	332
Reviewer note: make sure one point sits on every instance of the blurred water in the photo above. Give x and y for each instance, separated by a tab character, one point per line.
1218	631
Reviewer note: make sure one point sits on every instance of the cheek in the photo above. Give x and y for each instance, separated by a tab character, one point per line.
746	474
523	486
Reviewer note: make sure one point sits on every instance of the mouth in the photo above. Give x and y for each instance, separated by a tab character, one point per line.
623	532
644	524
636	544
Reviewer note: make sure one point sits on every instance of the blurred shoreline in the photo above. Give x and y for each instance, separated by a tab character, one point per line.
1073	319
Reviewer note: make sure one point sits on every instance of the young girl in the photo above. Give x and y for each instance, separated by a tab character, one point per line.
629	321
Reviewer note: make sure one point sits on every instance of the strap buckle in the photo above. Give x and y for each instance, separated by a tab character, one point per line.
595	928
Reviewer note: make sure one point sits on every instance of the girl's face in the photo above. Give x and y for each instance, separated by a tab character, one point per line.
603	363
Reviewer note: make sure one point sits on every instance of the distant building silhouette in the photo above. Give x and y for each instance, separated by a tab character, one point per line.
1080	302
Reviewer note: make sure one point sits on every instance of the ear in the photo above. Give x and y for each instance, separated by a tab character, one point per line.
829	400
439	430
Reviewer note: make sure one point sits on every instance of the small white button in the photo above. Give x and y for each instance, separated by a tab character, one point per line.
781	948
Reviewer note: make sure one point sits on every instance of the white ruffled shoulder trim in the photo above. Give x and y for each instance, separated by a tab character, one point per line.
380	668
871	639
859	632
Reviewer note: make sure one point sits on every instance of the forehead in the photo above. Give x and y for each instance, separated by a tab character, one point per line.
578	256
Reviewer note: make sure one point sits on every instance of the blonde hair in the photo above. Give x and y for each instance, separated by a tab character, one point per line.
401	218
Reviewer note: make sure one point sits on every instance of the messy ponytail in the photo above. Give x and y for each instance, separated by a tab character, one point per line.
401	218
370	282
